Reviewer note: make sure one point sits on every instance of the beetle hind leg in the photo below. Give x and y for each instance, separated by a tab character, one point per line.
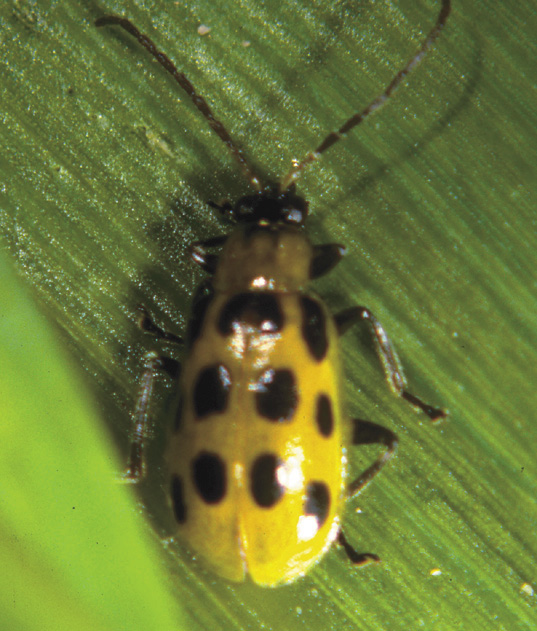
154	365
359	559
141	419
368	433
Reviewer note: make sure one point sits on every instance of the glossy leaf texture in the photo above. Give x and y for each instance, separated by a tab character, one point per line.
106	173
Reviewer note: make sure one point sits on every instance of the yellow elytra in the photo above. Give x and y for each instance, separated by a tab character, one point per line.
261	404
258	453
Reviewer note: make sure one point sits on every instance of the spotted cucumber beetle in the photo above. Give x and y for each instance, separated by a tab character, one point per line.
258	453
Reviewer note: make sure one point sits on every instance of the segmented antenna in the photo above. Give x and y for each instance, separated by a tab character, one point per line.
376	104
182	80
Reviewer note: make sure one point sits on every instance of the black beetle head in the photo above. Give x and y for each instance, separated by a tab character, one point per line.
269	206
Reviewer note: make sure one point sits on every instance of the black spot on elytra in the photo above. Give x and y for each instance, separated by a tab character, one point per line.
178	499
211	391
260	310
209	475
324	415
264	485
200	304
314	327
317	501
276	396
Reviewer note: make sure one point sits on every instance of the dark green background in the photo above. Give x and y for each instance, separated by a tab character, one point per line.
106	169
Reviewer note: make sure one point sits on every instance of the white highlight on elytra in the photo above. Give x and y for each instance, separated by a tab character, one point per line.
307	527
290	474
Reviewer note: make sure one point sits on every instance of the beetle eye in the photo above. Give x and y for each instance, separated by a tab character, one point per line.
243	211
293	215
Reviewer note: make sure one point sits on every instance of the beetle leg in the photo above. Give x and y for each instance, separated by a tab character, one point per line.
147	324
368	433
199	254
154	365
325	257
356	558
225	209
390	362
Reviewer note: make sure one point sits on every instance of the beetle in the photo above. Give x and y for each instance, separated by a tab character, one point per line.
258	451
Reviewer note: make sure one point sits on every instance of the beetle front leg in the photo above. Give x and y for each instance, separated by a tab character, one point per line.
147	324
325	257
199	254
390	362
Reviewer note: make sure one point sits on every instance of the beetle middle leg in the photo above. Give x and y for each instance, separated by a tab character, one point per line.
390	362
154	365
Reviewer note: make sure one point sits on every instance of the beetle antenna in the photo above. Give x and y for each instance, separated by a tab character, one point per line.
376	104
182	80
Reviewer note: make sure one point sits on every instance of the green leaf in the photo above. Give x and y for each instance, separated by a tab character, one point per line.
106	170
73	551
